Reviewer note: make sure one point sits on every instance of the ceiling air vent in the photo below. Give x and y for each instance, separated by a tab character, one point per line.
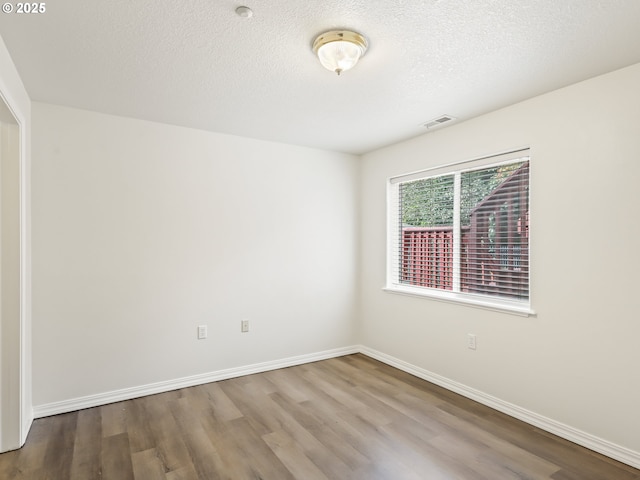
436	122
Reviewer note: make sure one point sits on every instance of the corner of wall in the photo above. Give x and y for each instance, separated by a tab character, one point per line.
15	96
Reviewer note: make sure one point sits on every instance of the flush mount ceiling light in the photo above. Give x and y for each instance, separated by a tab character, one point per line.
339	50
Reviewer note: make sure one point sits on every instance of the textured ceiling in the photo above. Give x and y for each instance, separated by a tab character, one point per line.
196	63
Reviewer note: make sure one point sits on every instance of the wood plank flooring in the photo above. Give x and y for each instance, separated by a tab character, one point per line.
345	418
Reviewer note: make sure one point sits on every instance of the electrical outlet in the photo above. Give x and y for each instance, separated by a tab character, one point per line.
202	332
244	326
471	341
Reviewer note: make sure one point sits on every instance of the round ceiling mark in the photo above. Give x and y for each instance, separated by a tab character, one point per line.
244	12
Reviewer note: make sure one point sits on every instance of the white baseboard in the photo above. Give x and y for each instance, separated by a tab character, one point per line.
105	398
574	435
26	426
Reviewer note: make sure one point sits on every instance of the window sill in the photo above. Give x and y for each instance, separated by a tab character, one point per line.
477	301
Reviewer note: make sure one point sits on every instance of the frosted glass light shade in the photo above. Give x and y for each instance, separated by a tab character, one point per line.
339	50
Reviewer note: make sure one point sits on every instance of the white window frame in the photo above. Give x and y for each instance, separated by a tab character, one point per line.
393	285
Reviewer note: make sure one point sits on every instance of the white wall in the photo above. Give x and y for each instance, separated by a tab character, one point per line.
577	361
16	413
143	231
9	283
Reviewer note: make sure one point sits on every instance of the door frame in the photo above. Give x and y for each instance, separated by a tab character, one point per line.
17	414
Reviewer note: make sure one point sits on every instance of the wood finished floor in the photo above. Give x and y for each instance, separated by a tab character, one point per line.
345	418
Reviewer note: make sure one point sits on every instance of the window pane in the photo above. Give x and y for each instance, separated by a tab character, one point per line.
426	232
462	233
494	221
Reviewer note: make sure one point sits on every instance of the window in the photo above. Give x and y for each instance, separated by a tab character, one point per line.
461	232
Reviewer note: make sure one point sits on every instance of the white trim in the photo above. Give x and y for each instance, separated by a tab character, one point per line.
597	444
393	233
499	158
26	408
612	450
105	398
25	413
457	235
486	303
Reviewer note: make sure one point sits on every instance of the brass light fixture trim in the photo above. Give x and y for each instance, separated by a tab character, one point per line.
339	50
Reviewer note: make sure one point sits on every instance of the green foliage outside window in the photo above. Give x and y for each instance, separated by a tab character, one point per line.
429	202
